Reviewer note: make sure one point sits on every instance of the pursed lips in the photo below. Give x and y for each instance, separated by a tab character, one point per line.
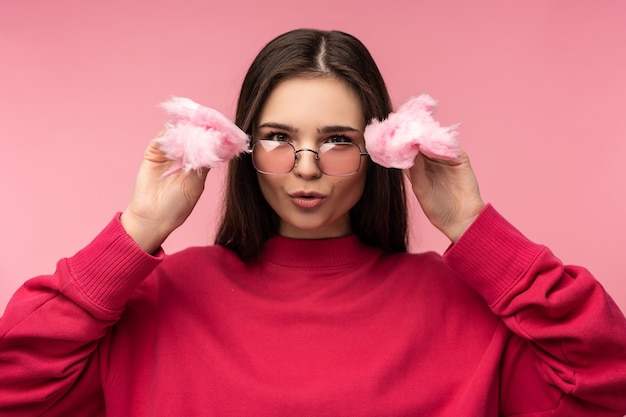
304	199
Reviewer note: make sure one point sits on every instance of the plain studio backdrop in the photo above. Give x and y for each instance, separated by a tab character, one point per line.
538	86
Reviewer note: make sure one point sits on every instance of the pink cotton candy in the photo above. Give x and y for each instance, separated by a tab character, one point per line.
199	137
396	141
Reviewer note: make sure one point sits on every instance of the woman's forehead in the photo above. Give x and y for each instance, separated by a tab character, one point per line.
313	103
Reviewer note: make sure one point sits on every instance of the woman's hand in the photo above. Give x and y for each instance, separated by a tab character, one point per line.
160	204
447	192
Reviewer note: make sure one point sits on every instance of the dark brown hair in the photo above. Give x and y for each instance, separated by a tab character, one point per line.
380	217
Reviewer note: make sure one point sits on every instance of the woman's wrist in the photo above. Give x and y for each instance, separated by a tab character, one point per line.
145	232
454	231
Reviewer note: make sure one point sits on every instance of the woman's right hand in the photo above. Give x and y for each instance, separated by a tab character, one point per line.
160	204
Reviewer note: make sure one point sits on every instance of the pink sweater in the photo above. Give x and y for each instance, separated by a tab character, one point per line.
497	327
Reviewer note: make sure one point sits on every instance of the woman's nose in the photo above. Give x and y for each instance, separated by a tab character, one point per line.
306	164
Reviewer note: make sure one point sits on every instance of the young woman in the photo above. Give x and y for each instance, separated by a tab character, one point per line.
309	304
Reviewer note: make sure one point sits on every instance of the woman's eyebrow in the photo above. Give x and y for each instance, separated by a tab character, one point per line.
279	126
321	130
336	129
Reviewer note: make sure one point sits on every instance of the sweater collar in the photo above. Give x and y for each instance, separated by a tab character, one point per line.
316	253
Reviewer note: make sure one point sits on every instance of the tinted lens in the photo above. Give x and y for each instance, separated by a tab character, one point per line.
272	157
339	159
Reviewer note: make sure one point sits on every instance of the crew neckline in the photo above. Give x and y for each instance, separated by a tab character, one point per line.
316	253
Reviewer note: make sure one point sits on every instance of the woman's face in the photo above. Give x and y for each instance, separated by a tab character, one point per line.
308	112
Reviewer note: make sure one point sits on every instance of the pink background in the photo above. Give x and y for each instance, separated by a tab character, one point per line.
538	86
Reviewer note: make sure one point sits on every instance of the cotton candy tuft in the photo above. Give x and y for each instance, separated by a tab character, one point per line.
396	141
199	137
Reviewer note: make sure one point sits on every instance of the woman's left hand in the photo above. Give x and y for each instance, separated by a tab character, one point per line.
447	192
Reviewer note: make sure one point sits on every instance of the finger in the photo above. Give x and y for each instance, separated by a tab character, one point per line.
153	153
418	166
450	162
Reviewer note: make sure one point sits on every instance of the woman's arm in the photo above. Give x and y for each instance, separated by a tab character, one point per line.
570	353
52	326
569	356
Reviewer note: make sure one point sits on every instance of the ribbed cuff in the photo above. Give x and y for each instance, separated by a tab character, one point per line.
492	255
110	268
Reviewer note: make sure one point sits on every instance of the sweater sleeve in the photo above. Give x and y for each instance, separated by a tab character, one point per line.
568	353
52	325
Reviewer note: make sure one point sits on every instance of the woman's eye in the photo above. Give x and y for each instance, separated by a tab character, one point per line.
339	139
280	137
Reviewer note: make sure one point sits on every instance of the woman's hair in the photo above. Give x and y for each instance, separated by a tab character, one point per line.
380	217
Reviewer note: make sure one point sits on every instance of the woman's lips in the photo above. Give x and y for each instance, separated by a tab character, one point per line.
307	200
